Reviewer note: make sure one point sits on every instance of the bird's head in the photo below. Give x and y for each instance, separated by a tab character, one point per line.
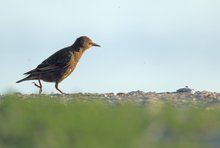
85	42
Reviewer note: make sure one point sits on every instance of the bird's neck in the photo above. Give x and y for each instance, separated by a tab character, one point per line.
77	53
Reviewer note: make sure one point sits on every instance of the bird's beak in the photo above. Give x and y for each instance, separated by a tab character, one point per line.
94	44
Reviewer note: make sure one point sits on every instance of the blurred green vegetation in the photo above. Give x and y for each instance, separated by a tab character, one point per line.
45	122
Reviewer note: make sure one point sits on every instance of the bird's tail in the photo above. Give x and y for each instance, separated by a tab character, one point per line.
25	79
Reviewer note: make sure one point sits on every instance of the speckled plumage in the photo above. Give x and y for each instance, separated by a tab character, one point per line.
59	65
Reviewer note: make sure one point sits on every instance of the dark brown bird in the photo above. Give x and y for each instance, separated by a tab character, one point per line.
59	65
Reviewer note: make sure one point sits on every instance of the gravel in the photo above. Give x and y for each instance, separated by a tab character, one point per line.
199	98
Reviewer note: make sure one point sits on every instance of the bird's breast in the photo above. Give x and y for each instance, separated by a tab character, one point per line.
72	64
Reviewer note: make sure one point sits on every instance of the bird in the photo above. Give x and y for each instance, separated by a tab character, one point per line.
59	65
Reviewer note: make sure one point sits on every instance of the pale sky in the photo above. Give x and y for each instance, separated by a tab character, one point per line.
148	45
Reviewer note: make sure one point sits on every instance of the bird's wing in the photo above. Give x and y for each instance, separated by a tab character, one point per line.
57	61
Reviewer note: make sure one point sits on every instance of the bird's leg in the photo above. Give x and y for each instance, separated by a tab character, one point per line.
56	86
39	86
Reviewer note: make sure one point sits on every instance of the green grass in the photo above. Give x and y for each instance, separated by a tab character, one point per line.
44	122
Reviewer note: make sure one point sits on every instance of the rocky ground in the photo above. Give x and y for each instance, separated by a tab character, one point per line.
197	98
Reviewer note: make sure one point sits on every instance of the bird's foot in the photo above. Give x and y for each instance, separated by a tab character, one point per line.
39	86
63	94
